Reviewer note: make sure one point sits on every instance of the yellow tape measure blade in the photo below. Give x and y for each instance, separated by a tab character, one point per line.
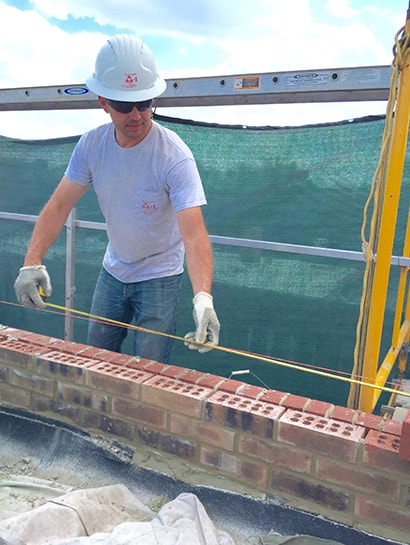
42	293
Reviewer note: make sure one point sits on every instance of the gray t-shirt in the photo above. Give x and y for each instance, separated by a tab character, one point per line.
139	190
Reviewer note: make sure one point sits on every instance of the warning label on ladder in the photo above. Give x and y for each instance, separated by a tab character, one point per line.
247	83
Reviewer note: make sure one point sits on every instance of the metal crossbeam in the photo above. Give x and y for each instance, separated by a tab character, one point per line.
370	83
332	253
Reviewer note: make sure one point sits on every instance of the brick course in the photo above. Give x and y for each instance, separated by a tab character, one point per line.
349	466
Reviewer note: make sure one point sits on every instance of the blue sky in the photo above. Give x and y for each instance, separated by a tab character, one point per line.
54	42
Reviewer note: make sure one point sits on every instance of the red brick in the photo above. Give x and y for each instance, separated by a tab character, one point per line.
331	498
139	363
274	396
115	358
167	443
382	441
212	382
319	408
343	414
381	451
17	345
318	434
392	427
404	450
67	359
14	397
222	461
277	455
381	516
295	402
71	347
155	367
193	377
92	399
255	473
173	371
202	431
349	477
251	391
10	347
101	355
5	333
91	352
241	413
43	340
44	404
140	413
231	386
18	333
175	395
17	354
32	383
369	421
60	371
115	379
113	426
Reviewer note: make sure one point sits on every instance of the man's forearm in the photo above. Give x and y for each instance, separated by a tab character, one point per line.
46	230
52	219
199	261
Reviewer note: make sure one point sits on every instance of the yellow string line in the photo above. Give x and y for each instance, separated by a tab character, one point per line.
229	350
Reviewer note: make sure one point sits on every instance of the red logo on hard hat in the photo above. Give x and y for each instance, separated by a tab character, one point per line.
130	80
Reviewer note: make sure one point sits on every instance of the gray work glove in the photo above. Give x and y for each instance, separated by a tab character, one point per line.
27	285
206	321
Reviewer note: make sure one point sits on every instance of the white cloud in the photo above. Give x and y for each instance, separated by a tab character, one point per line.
212	39
40	53
38	125
57	9
176	17
340	8
317	45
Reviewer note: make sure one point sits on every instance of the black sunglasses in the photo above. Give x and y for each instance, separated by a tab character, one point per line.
127	107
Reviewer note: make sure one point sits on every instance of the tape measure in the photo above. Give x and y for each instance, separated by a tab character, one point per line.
42	293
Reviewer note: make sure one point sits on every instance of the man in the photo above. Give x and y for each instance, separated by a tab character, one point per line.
150	193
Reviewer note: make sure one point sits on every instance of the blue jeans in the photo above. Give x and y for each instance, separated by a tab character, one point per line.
153	304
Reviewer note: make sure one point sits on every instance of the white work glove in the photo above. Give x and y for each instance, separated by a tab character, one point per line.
206	321
27	284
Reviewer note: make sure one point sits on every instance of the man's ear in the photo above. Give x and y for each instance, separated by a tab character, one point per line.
103	103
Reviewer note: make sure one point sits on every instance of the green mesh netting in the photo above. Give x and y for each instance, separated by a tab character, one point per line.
303	185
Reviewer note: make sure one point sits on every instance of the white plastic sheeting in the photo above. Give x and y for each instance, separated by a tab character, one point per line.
112	515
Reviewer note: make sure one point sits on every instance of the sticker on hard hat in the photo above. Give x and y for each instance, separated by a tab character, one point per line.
76	91
247	83
130	81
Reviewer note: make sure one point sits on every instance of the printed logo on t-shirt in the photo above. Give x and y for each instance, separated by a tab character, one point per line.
149	208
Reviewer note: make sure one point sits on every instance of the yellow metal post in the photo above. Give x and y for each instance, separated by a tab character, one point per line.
401	293
401	331
391	198
389	360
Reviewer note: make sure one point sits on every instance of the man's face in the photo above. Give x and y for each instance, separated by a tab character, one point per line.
130	128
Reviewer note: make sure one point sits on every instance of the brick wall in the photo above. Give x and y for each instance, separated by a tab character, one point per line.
348	466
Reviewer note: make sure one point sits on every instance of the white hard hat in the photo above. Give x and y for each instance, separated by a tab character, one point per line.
125	70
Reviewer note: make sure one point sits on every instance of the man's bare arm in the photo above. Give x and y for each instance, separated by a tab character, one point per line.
52	219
